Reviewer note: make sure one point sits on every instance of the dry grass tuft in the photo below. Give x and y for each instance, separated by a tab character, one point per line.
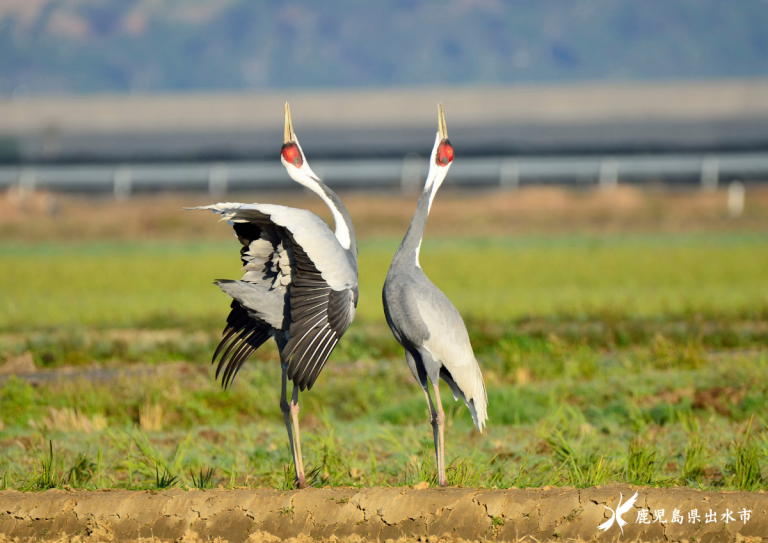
24	363
67	419
151	417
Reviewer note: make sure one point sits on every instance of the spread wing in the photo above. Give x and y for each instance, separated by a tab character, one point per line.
337	266
319	317
241	337
258	300
290	253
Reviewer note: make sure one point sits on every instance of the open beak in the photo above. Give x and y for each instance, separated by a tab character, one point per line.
289	136
441	122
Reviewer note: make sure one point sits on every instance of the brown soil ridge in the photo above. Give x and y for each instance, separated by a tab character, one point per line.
382	514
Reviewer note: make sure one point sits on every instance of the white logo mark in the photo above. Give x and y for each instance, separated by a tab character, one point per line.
616	515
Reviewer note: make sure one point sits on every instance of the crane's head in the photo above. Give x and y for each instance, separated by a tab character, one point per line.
292	156
442	153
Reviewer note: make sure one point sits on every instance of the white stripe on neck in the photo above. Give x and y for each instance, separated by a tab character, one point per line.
418	248
435	178
341	232
308	178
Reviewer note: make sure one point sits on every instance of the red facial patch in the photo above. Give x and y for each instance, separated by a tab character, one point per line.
292	155
444	155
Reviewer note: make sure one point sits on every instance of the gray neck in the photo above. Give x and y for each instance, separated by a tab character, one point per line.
408	252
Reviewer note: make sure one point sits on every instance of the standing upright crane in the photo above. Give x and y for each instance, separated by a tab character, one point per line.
424	320
300	286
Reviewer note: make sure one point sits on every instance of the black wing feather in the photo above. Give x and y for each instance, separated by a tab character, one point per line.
257	337
339	312
319	317
241	337
243	333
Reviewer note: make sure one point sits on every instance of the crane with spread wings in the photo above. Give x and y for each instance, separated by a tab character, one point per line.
300	286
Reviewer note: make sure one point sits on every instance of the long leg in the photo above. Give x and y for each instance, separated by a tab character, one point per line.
301	479
286	409
440	437
417	368
435	433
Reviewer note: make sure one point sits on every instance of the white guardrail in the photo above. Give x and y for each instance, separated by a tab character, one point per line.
407	173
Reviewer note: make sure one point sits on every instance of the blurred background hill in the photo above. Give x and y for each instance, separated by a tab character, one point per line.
204	80
129	46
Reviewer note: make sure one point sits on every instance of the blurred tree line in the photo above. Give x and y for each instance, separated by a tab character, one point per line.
83	46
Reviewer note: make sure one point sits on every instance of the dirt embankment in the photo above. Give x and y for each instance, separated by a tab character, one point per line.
382	514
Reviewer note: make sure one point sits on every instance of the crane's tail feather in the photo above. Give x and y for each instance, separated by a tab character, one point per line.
479	416
480	403
477	404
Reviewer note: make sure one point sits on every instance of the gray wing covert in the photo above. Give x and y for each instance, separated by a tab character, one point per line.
307	230
399	299
449	344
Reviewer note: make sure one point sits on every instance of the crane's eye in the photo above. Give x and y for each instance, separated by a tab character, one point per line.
444	155
291	154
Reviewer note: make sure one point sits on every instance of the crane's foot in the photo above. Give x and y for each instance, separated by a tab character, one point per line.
301	482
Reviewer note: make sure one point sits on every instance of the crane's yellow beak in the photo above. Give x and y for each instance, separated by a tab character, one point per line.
441	122
289	136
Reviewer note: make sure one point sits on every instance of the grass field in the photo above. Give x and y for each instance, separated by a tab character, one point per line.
637	355
136	284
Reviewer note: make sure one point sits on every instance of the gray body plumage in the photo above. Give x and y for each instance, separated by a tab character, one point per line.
428	326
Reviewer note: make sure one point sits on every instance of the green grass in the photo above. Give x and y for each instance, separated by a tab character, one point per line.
165	284
366	423
204	479
625	359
